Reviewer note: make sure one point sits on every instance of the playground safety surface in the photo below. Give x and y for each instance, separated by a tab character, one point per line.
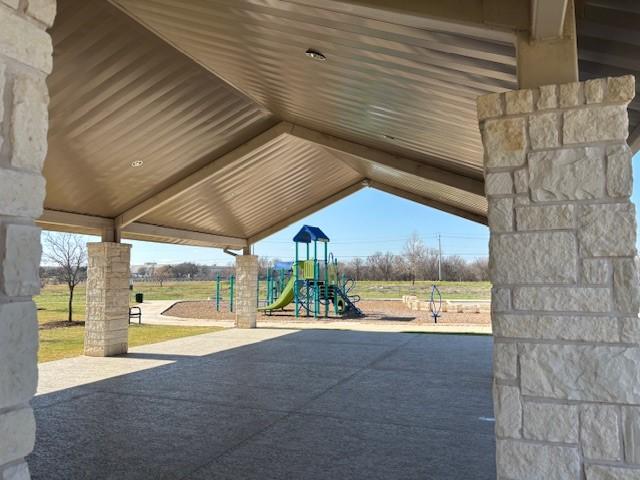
376	311
271	404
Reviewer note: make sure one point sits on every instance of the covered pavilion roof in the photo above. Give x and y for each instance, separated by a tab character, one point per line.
204	122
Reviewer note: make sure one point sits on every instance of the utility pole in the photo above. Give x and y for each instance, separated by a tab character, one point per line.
439	259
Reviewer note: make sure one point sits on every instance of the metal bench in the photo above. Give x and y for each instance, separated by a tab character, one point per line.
135	312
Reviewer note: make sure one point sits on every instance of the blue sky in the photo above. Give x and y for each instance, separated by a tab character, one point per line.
359	225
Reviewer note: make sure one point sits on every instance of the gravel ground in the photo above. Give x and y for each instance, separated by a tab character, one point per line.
376	311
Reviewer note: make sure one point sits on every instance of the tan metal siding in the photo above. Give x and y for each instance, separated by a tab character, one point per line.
380	79
245	198
120	94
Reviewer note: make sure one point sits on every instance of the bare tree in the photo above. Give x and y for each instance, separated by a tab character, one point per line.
264	264
414	254
357	264
142	271
429	265
185	270
162	273
453	268
69	253
477	269
382	265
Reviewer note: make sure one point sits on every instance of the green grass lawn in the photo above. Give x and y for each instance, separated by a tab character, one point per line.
52	302
57	343
65	342
53	299
370	290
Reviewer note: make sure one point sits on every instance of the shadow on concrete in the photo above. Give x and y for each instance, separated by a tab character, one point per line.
315	404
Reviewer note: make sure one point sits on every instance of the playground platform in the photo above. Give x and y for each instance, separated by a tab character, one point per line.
271	404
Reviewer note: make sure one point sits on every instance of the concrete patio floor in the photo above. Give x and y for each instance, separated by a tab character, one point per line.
271	404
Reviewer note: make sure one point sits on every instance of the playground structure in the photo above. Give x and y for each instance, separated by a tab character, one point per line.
311	284
314	286
219	297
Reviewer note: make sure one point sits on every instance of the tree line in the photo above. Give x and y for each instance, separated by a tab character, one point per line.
415	262
387	266
183	271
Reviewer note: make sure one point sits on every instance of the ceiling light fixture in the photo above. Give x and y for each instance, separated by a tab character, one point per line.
315	54
137	163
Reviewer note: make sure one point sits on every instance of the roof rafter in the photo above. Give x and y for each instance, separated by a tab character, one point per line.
55	220
406	165
547	18
634	139
548	54
58	221
476	217
495	19
331	199
191	181
148	232
126	224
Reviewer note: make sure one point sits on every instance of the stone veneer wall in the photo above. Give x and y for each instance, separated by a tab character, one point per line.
25	61
565	289
246	291
106	330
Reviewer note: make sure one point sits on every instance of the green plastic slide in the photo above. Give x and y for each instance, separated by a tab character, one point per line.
285	298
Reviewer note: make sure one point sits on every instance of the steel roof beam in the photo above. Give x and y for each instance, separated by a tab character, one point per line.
200	176
634	139
156	233
123	223
460	212
413	167
547	19
58	221
494	19
548	54
331	199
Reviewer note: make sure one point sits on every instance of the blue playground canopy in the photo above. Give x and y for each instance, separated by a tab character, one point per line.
283	266
308	234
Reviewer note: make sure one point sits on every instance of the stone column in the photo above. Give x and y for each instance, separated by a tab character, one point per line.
565	288
106	331
246	291
25	61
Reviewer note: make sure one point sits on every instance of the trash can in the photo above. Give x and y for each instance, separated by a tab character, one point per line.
139	297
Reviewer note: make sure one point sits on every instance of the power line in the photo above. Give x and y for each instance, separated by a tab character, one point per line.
466	254
390	240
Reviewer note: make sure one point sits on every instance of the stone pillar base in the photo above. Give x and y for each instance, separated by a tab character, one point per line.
246	291
92	350
107	325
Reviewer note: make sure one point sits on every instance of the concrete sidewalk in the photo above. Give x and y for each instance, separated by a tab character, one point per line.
152	314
